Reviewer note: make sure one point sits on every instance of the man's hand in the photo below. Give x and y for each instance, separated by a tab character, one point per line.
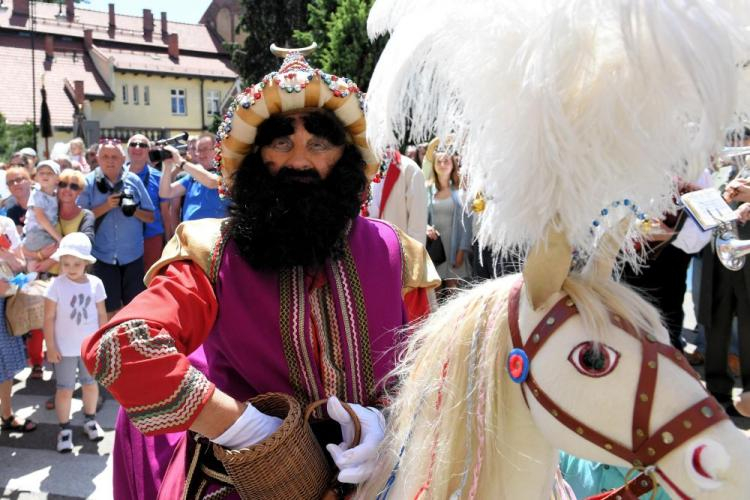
737	190
743	212
358	463
113	200
252	427
176	157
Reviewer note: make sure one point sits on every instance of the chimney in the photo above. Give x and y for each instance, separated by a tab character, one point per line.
88	39
70	10
164	27
78	93
148	22
49	46
20	8
112	16
173	46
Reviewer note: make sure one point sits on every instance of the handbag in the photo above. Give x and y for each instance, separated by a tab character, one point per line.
288	464
24	311
436	250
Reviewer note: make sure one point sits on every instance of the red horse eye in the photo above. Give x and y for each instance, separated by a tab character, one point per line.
594	360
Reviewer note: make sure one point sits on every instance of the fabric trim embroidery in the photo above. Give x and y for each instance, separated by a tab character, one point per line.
108	360
342	298
174	410
217	252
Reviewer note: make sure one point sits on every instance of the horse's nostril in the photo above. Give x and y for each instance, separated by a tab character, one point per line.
707	463
697	465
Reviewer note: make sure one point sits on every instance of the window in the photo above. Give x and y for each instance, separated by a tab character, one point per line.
178	102
213	102
136	95
146	96
124	94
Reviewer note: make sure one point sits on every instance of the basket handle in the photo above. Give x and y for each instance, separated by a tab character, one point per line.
355	420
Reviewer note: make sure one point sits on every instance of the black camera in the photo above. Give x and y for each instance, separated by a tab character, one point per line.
159	154
127	202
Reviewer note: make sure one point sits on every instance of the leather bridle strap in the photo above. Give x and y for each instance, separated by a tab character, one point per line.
648	448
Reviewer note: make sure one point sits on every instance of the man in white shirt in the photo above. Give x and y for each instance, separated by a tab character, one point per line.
400	196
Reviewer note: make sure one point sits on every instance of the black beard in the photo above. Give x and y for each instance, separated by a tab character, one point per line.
294	218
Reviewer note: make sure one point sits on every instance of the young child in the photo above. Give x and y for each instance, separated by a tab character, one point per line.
41	216
73	309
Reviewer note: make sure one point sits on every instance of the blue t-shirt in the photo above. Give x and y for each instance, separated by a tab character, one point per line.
150	177
201	202
118	238
588	478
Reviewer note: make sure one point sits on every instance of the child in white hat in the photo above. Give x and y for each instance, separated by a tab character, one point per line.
73	309
41	216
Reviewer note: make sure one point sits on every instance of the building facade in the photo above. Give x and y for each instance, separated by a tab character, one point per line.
110	75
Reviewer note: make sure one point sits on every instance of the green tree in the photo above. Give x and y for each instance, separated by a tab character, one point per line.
14	137
340	29
266	22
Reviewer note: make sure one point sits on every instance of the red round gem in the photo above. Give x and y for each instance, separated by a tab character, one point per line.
334	77
257	96
515	366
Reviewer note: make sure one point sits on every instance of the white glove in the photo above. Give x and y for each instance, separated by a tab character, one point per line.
250	428
358	463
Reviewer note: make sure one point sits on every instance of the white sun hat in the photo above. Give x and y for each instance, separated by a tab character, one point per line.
76	245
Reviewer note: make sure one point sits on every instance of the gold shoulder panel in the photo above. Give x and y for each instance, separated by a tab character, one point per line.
418	270
201	241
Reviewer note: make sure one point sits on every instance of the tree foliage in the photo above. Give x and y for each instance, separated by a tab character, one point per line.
266	22
340	29
15	137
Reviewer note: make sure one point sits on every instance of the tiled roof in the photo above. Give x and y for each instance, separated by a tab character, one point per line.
70	63
160	62
129	29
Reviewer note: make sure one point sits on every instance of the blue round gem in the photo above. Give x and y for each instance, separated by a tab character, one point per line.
604	212
626	202
595	223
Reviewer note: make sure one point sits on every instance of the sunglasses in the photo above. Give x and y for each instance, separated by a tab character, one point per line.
17	180
142	145
73	186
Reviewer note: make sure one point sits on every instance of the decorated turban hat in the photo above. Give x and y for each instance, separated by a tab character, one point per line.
296	86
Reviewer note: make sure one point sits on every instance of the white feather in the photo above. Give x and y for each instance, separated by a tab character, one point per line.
560	108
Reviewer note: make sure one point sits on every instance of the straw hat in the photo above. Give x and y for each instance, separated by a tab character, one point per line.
296	86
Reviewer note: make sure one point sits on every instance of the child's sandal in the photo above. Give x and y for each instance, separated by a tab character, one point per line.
9	424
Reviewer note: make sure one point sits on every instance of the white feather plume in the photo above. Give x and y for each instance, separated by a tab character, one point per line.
560	108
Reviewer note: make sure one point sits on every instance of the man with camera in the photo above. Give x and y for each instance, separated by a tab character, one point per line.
200	187
153	233
121	206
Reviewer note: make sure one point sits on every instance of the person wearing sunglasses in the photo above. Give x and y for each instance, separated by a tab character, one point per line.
153	232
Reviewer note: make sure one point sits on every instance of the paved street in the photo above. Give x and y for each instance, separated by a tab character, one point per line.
31	467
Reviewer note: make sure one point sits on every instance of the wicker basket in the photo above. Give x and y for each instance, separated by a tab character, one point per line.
289	464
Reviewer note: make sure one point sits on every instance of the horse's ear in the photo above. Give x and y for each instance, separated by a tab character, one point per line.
546	267
603	261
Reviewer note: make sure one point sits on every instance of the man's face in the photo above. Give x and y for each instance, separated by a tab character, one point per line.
110	160
205	151
301	150
138	147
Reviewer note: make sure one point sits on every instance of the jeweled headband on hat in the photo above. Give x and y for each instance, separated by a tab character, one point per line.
296	86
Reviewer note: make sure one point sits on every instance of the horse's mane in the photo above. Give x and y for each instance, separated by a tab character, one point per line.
448	407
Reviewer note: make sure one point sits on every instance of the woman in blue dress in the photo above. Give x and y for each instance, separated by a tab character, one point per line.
12	351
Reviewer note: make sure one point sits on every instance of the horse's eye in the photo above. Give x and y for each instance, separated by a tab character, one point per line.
594	360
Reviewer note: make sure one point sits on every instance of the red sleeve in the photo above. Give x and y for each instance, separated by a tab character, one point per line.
417	304
140	355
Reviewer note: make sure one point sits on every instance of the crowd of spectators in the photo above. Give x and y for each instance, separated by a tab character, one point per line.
127	207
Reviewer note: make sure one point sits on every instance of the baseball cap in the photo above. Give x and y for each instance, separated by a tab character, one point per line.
51	164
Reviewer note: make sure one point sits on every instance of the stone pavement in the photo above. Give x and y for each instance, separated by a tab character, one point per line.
31	468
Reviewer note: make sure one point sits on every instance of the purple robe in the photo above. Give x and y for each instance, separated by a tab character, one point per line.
263	341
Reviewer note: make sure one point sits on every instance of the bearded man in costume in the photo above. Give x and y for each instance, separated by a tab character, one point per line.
293	293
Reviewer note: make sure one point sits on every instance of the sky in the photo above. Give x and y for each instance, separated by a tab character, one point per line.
186	11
